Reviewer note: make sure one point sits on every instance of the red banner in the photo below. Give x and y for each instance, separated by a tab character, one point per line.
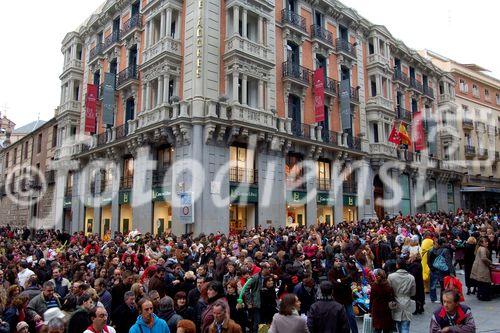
319	94
418	131
90	111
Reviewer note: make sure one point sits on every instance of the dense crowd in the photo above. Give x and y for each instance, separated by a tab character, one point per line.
314	279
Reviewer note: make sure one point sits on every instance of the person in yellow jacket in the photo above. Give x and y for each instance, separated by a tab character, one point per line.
427	245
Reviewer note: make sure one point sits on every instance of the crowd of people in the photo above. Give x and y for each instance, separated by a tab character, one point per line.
303	279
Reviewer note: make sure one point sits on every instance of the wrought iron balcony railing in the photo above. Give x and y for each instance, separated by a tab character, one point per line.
330	137
301	130
132	23
400	76
416	85
403	114
429	92
126	182
322	34
342	45
297	72
294	19
110	40
121	131
331	86
129	73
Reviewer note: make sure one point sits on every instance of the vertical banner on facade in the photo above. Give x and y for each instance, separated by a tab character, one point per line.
418	131
108	100
90	112
345	104
319	94
186	215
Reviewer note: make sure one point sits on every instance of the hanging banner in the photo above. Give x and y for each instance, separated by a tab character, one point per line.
90	112
418	131
345	104
319	94
394	136
108	100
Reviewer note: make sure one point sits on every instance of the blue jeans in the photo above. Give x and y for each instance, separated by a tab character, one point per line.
351	318
403	326
435	280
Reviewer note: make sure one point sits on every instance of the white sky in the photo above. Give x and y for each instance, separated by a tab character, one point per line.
31	59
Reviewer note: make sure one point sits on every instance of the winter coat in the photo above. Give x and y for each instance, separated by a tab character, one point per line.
61	286
403	284
288	324
207	316
159	326
425	248
229	326
124	318
307	298
415	269
380	296
464	322
327	308
171	318
38	305
268	305
481	267
341	290
468	262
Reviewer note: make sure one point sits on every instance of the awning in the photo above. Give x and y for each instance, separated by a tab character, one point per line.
479	189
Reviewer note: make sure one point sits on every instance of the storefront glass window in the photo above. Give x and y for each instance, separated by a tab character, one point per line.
404	181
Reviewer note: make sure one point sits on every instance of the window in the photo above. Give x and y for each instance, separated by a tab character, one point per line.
241	165
404	180
487	94
164	158
54	136
293	170
451	197
14	158
6	161
26	146
475	91
375	132
498	99
463	86
39	144
324	179
465	109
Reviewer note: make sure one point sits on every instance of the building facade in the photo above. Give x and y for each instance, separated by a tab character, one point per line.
477	117
27	179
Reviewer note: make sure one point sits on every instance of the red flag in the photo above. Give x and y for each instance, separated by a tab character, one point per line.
394	137
319	94
90	112
418	131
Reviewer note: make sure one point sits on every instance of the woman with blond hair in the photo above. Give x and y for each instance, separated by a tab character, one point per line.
469	256
138	291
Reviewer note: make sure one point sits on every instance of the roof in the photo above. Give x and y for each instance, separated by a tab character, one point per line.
29	127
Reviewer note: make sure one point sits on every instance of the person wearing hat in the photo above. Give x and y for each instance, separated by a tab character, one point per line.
51	314
22	327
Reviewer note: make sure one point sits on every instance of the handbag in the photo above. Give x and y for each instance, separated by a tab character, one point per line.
440	263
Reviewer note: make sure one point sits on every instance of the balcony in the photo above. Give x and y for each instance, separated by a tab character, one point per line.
428	92
480	125
382	149
95	52
354	95
323	184
239	46
127	75
379	102
293	20
73	64
111	40
126	182
330	137
296	73
482	154
50	177
243	175
165	46
403	114
322	35
416	86
103	138
248	115
301	130
121	131
331	87
405	155
68	106
445	98
377	60
400	77
343	46
133	23
470	152
353	142
467	124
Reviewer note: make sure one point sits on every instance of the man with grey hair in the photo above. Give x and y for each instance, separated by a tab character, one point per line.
125	315
166	312
44	301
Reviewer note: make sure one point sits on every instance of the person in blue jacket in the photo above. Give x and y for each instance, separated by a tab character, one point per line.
148	322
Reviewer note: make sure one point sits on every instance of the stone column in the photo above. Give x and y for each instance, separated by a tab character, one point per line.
150	34
159	96
375	46
177	30
244	23
148	95
312	205
142	190
162	24
236	20
144	94
244	96
169	21
260	31
235	85
115	190
261	95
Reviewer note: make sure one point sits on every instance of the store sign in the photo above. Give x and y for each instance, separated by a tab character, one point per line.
243	194
199	40
324	199
106	201
186	214
124	197
162	194
67	202
296	197
350	200
108	100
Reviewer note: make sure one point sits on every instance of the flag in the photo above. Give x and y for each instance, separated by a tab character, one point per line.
90	112
319	94
418	131
403	134
394	136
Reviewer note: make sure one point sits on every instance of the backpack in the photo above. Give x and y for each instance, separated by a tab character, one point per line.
440	263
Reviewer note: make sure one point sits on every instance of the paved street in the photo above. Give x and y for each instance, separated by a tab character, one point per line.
486	314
